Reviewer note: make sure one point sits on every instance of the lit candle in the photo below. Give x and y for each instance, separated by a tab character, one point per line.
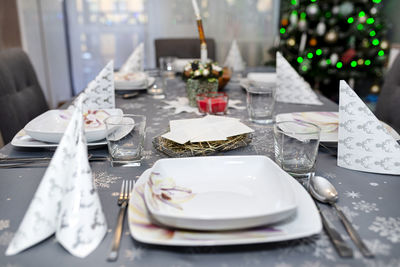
196	9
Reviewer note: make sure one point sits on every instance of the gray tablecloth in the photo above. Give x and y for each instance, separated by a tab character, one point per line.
369	200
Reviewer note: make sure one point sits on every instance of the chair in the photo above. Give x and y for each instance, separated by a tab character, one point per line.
182	48
21	98
387	107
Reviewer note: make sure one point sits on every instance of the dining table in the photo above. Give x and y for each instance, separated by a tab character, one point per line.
369	200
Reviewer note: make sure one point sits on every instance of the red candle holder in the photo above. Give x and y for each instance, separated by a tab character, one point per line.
212	103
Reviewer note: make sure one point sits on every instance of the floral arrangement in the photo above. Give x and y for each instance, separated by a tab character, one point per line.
198	70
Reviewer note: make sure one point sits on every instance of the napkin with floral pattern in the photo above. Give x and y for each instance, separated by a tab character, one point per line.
364	143
66	202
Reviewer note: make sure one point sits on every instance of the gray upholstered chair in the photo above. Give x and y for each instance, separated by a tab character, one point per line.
21	98
388	106
182	48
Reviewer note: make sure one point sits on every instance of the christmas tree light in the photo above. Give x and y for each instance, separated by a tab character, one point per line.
318	52
353	63
367	62
370	21
300	59
381	53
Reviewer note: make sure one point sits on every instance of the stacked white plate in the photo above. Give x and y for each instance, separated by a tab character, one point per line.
47	129
132	81
220	201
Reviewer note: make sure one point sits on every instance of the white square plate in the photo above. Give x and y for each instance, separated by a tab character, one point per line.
218	193
50	126
21	139
305	222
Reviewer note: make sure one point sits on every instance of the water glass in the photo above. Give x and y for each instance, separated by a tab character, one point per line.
157	90
167	64
261	102
296	148
125	138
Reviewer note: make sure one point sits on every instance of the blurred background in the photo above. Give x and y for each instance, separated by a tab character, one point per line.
69	41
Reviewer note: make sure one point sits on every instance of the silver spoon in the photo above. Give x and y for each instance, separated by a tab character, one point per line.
322	190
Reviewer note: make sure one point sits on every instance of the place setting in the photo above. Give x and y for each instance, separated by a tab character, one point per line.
264	144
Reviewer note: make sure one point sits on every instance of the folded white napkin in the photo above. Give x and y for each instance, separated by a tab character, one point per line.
364	142
99	94
234	59
292	88
135	62
66	202
206	129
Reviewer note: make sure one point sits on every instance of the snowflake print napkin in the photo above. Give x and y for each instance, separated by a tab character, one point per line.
66	202
135	62
99	94
292	88
364	143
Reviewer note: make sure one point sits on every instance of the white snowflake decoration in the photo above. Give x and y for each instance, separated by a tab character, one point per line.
378	248
349	213
104	180
387	227
329	175
5	238
4	224
135	253
365	206
352	194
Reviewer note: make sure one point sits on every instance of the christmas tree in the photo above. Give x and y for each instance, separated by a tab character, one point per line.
332	40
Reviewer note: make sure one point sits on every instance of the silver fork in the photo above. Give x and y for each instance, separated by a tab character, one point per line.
123	200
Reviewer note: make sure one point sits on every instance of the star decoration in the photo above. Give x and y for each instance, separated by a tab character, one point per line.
235	104
181	104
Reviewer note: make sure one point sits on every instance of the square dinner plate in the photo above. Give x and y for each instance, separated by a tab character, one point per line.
218	193
51	125
303	223
21	139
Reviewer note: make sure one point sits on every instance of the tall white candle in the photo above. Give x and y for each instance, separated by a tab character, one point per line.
196	9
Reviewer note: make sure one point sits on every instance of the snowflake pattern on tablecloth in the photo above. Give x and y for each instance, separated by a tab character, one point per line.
317	245
381	263
352	194
134	253
5	238
365	206
378	248
131	106
329	175
104	180
388	227
4	224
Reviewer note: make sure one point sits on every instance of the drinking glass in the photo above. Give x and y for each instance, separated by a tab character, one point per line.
125	138
261	102
296	148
